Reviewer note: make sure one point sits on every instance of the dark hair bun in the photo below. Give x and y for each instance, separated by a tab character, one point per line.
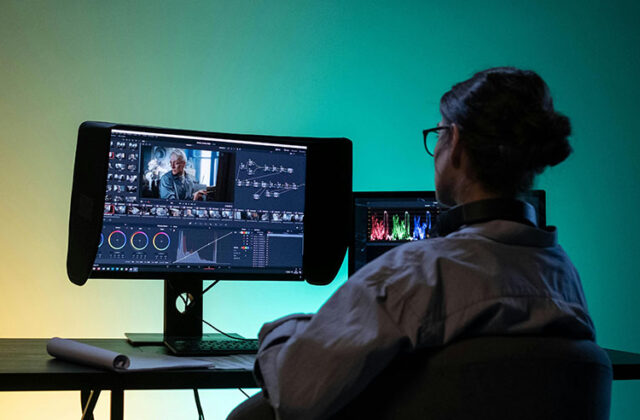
555	147
543	140
508	125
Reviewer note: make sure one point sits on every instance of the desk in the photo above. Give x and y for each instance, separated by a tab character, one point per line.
25	365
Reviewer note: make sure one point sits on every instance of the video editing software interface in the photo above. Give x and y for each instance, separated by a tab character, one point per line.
383	221
199	204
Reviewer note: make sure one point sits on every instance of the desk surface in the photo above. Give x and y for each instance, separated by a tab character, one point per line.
25	365
625	365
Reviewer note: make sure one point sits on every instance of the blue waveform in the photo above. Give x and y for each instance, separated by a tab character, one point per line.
420	230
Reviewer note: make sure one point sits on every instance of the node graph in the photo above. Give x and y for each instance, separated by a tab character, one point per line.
268	180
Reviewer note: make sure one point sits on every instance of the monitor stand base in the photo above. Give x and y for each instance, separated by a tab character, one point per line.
157	339
145	339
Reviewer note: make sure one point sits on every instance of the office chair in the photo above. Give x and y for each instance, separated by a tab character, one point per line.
492	378
517	377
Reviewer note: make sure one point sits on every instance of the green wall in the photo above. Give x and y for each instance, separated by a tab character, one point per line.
372	71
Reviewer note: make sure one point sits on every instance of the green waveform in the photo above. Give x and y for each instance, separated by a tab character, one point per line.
400	230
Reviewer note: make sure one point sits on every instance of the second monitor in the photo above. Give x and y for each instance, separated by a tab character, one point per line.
384	220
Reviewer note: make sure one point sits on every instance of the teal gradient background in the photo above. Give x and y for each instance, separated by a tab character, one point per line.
372	71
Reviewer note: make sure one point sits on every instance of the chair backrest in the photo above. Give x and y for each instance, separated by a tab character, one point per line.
492	378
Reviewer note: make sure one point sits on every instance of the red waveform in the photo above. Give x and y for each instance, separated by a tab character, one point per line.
379	228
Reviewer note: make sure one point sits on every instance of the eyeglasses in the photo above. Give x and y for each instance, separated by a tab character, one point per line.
431	137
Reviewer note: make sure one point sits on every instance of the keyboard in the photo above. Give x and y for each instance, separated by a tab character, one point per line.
210	346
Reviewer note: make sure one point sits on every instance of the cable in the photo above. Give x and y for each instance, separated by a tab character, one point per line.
245	394
181	295
210	286
228	335
184	299
216	329
207	323
198	404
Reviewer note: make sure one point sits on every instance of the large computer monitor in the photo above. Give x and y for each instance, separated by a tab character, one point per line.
384	220
186	206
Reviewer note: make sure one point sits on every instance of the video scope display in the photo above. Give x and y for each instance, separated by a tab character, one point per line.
199	204
384	220
382	223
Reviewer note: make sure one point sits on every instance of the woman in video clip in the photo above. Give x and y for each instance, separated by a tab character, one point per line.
495	276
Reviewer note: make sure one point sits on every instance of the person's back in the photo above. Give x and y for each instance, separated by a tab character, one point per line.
493	278
491	275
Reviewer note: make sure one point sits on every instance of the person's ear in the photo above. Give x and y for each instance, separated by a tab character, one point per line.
456	146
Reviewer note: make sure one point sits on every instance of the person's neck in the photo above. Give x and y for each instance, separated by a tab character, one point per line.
474	192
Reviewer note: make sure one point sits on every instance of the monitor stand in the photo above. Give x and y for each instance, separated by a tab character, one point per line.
182	313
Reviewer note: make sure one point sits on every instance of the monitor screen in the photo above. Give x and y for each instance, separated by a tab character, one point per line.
185	203
384	220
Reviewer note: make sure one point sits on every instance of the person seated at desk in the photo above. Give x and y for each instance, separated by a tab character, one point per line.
177	184
497	277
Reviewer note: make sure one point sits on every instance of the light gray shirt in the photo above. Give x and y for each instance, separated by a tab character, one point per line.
177	187
494	278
